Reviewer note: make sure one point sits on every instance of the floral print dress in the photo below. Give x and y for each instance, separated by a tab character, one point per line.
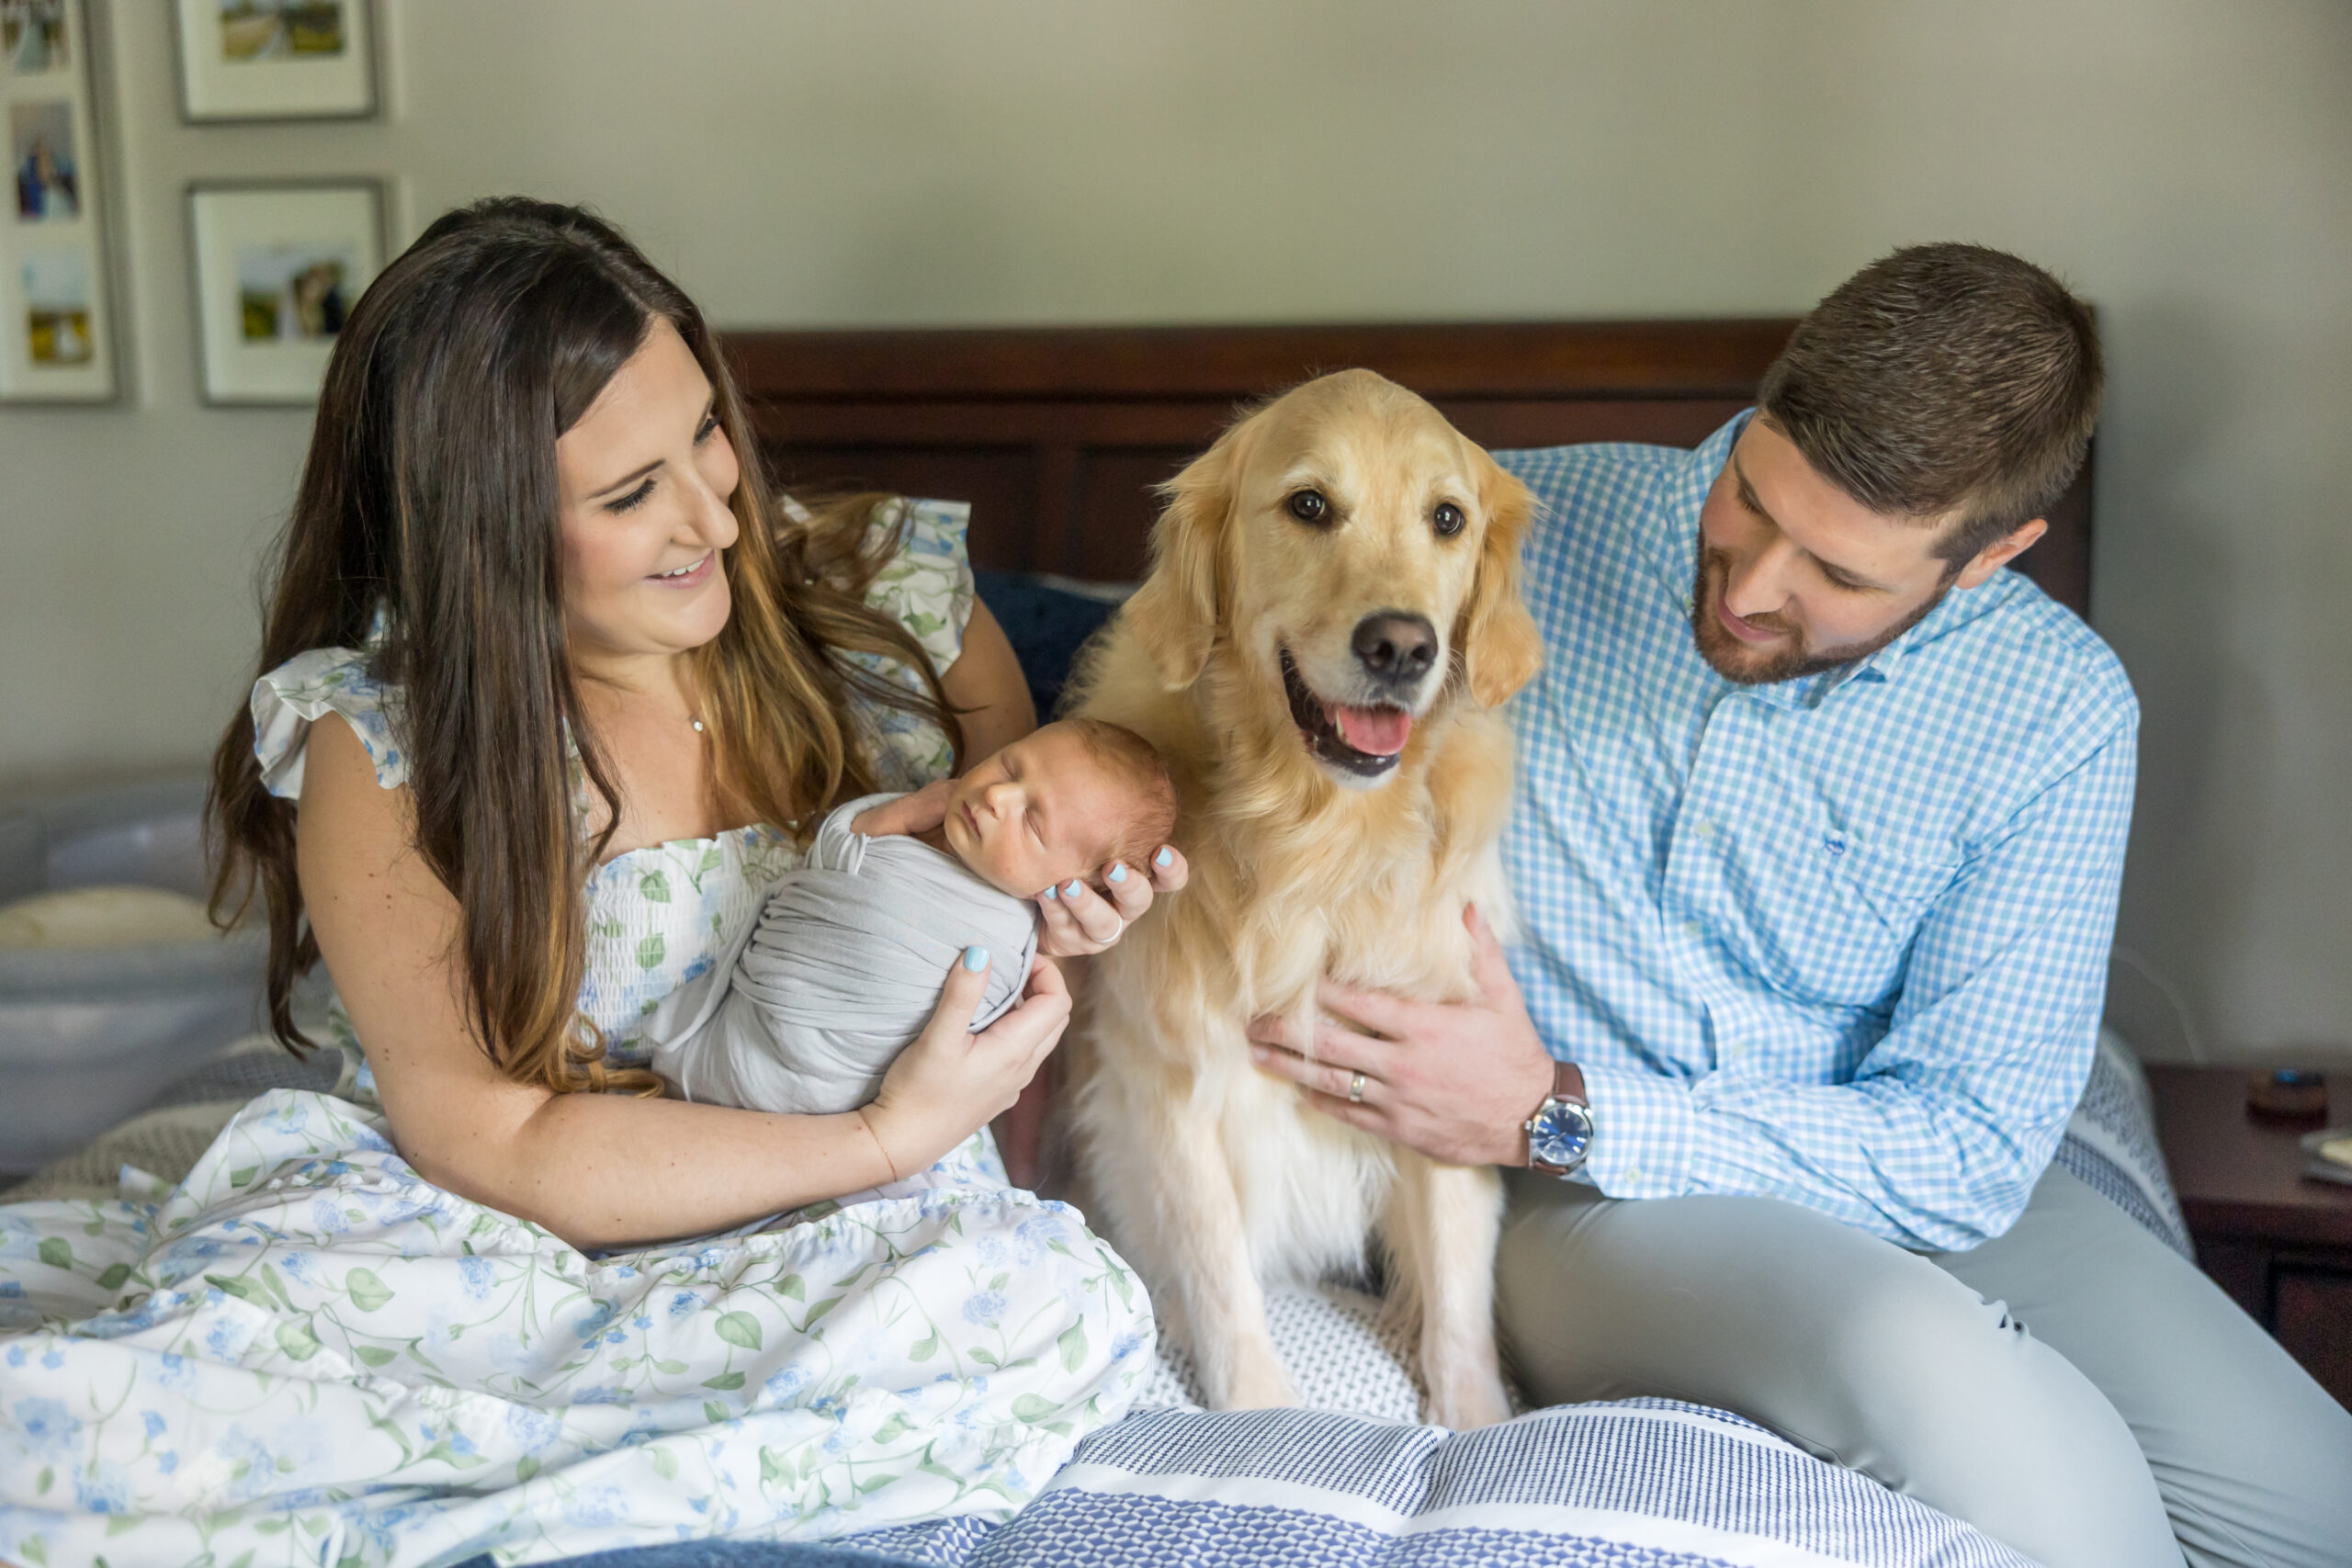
306	1353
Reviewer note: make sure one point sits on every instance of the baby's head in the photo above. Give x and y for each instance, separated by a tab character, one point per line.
1064	801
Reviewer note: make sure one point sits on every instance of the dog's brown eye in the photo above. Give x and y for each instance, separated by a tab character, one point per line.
1308	507
1448	519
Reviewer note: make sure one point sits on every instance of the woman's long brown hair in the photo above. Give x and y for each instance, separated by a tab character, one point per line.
430	494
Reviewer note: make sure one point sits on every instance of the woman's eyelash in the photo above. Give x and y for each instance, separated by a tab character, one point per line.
635	498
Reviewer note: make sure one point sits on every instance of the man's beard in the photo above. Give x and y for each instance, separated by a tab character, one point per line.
1735	660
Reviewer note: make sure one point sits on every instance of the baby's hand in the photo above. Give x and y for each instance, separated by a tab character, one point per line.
909	814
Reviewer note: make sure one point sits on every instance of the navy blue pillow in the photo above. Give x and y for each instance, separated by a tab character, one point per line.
1047	625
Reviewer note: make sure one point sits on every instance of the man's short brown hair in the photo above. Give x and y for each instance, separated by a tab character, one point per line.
1943	378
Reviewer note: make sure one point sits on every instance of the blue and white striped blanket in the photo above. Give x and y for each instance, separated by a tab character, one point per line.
1640	1483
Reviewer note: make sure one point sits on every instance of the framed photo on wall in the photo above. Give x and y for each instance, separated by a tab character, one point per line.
276	59
278	267
55	326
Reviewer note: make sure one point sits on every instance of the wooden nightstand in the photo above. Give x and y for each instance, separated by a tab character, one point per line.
2279	1243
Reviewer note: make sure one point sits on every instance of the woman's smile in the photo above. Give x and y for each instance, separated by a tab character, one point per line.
690	576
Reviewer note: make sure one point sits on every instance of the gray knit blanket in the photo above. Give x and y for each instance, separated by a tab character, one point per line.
809	1004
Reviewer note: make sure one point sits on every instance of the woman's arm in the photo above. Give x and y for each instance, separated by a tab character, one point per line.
596	1169
986	683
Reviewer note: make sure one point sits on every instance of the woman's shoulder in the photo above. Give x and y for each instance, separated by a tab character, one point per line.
288	700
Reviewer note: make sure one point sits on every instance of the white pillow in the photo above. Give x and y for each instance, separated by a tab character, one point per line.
102	917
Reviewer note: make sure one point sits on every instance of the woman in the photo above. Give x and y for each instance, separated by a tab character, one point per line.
556	694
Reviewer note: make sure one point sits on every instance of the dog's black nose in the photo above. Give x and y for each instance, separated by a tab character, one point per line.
1395	648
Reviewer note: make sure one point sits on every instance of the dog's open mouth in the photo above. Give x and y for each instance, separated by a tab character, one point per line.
1364	741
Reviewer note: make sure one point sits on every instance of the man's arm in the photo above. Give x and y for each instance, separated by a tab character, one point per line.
1936	1140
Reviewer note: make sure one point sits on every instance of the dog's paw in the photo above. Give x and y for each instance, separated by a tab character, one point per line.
1468	1399
1256	1382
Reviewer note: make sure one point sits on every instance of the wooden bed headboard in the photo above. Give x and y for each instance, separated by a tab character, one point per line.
1056	435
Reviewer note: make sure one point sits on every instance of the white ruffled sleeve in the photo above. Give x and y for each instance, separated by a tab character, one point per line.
306	688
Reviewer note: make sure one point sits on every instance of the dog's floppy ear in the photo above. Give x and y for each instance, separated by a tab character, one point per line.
1175	614
1500	648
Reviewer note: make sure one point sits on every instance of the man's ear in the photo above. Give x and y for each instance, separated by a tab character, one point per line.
1175	613
1501	648
2001	552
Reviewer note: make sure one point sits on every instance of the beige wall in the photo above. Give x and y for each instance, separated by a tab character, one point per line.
2188	164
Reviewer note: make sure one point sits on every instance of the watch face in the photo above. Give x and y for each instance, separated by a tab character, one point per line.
1561	1133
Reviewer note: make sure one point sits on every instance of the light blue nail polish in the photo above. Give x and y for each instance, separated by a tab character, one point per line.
1164	859
1053	893
1071	891
976	959
1118	874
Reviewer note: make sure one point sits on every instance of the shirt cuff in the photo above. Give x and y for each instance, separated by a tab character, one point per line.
1645	1132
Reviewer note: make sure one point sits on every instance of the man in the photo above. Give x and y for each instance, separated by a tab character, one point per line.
1819	827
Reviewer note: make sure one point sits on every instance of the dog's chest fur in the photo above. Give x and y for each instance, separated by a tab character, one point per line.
1291	885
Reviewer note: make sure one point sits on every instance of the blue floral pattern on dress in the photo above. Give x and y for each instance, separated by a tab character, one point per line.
306	1352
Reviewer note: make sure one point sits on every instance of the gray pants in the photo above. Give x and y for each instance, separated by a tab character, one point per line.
2075	1389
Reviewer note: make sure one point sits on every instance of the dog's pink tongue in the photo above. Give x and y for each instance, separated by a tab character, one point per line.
1378	732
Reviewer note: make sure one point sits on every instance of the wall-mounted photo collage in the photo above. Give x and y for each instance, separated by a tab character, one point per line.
55	331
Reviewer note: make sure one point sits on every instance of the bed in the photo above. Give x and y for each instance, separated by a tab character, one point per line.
1056	437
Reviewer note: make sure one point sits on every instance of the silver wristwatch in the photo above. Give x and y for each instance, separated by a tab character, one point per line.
1559	1134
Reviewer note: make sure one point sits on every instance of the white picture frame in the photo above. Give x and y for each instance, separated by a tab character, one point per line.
56	317
249	60
278	266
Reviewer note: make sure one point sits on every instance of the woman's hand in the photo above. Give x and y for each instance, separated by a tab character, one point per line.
912	814
1080	920
952	1081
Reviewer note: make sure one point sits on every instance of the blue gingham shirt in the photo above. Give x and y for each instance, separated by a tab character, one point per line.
1840	940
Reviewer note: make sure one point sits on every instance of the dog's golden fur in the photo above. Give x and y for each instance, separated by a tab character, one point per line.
1212	1177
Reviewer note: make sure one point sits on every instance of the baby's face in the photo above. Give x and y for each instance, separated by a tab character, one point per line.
1036	814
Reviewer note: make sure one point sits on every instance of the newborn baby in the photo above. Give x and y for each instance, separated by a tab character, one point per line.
806	1008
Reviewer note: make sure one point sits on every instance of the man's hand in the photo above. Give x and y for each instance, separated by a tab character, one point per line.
1456	1081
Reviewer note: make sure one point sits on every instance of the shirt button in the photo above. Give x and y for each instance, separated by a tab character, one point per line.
1704	829
1693	927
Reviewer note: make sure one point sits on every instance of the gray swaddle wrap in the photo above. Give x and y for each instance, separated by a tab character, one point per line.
840	970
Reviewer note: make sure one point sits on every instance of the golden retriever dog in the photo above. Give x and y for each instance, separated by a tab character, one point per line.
1331	618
